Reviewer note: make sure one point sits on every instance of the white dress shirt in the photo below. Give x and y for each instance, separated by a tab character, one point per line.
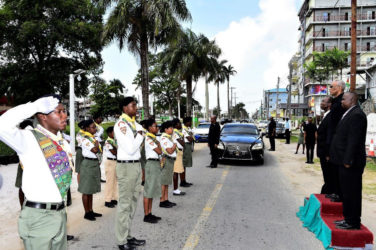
187	133
107	147
150	145
38	184
167	143
347	111
128	144
87	146
79	139
176	137
99	133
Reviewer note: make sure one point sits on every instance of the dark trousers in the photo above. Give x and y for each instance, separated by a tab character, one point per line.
214	156
287	134
351	187
327	172
272	142
335	174
310	148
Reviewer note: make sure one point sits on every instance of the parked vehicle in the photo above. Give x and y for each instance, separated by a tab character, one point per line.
241	141
279	131
201	132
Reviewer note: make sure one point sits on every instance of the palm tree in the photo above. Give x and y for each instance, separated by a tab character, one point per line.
229	72
218	76
143	24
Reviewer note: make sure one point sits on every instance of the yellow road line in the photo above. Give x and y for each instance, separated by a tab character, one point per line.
194	237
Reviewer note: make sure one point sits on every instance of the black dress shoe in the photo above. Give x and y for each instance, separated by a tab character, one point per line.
126	247
348	226
329	196
103	181
136	242
114	202
109	204
184	184
142	183
95	214
171	203
213	166
271	149
155	217
165	204
190	184
70	237
339	222
336	199
149	219
89	216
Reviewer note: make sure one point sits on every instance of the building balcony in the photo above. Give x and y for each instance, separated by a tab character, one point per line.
343	17
342	33
360	49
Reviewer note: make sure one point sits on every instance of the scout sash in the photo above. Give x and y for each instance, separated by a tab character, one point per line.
57	160
187	130
91	138
178	133
130	122
154	139
170	139
112	142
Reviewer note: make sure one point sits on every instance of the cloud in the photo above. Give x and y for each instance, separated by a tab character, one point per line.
259	48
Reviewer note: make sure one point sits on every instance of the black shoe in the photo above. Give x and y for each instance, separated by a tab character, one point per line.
271	149
89	216
114	202
126	247
136	242
190	184
339	222
95	214
103	181
70	237
213	166
337	199
142	183
332	196
165	204
348	226
184	184
109	204
149	219
171	203
155	217
296	152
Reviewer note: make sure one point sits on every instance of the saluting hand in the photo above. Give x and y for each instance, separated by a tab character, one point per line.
46	105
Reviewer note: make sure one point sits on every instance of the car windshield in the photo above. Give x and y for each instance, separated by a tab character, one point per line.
280	125
204	125
241	130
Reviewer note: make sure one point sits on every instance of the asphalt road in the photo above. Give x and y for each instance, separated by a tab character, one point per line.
231	207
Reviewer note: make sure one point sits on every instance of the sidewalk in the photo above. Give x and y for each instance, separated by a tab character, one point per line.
307	178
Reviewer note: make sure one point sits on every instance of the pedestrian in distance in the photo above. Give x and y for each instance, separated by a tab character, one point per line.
152	187
272	133
310	135
47	173
337	88
323	147
129	136
301	137
178	165
287	130
90	174
187	151
110	153
213	140
348	151
169	148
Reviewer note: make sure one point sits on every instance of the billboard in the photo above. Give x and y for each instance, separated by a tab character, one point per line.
319	90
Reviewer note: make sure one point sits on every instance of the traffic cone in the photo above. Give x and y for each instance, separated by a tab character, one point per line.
371	151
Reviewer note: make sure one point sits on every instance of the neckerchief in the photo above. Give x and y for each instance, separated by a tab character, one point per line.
112	142
58	160
171	140
180	134
131	122
152	137
91	138
188	132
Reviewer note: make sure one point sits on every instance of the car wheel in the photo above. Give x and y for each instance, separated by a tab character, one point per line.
261	161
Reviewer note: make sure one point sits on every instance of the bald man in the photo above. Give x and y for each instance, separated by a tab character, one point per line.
348	152
213	140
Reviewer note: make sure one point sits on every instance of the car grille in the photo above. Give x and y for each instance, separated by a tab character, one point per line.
238	147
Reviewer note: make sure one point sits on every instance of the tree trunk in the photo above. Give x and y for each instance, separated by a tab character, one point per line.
170	110
228	99
206	98
144	47
189	96
218	107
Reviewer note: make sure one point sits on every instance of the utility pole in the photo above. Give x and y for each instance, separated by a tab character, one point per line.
276	104
353	45
289	96
267	105
231	88
235	102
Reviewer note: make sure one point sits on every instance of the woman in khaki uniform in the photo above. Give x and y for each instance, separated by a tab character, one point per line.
152	188
169	148
178	166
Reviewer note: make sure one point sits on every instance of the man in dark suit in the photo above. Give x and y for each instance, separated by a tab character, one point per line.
310	136
271	133
213	140
323	146
348	151
337	88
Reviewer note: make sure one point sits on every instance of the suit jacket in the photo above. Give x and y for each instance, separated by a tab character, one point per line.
337	112
348	145
271	127
323	133
214	134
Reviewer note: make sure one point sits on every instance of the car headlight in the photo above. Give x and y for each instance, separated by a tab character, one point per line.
221	146
257	146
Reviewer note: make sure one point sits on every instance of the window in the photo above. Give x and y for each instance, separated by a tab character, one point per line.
368	47
326	16
323	32
373	31
347	31
372	46
368	31
369	15
346	16
346	46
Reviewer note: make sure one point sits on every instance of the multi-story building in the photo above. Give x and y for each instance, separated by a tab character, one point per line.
273	98
326	24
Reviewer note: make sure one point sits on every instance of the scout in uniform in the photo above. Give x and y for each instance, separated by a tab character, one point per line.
110	152
79	157
89	171
178	166
47	173
129	136
187	151
169	149
152	188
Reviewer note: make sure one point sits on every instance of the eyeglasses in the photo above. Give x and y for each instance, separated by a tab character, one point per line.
331	86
